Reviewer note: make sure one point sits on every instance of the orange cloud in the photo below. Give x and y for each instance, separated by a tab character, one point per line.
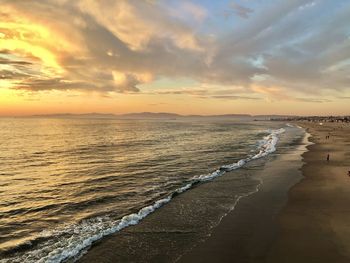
273	92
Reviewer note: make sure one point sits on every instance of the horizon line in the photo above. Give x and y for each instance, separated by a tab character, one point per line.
170	113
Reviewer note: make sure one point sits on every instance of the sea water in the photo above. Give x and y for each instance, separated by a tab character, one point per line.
66	183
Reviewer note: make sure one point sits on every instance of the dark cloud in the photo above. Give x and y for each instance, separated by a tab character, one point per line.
11	75
32	84
5	61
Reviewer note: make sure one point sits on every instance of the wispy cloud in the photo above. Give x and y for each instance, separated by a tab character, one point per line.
233	97
237	9
313	100
235	93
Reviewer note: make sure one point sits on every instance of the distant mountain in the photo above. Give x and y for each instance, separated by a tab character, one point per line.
149	115
154	115
166	115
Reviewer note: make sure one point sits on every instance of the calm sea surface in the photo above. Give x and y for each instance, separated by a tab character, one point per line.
65	183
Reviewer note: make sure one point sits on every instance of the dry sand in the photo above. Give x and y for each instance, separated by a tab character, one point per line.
315	224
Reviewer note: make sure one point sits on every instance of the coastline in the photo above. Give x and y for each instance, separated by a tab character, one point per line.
299	214
313	224
193	218
246	234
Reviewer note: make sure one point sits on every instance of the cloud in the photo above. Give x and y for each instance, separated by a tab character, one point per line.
5	61
233	97
187	11
239	10
313	100
209	92
11	75
284	49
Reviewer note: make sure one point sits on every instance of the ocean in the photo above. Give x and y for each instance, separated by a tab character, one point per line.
67	183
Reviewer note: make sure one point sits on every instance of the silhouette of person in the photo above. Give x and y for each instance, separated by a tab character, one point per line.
327	157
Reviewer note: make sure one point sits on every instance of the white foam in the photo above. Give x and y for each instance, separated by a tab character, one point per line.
236	165
184	188
269	144
293	125
82	235
266	146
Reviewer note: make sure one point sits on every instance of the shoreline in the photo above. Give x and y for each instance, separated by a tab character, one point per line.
246	234
191	218
311	227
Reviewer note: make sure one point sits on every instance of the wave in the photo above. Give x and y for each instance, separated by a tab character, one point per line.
293	126
71	241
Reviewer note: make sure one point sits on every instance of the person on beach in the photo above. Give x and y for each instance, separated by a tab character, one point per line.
349	173
327	157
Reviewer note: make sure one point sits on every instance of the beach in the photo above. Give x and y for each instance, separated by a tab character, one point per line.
313	226
257	192
299	214
209	223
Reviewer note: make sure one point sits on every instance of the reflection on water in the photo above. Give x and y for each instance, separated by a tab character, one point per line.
57	172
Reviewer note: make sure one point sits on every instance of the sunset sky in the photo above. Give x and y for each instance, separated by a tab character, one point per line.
188	57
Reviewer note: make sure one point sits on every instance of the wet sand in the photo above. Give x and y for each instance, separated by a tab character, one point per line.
312	227
247	233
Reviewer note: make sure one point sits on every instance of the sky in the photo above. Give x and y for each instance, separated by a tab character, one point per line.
187	57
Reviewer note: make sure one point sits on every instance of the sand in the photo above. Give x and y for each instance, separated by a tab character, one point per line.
315	224
247	233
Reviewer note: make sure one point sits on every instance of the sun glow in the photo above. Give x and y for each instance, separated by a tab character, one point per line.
34	41
21	47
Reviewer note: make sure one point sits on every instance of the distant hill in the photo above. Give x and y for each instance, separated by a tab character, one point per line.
154	115
149	115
